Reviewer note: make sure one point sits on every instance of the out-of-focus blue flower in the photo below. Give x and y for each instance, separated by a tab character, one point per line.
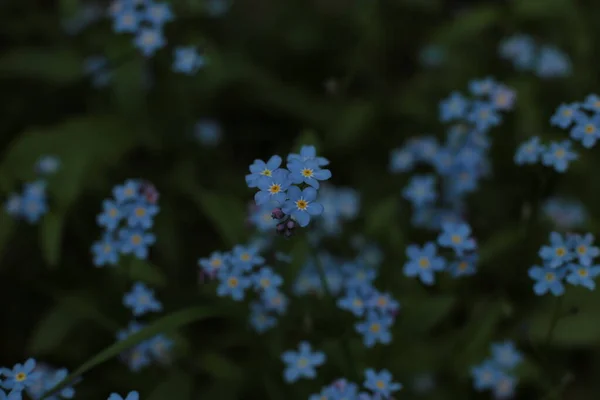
187	60
375	329
141	300
302	363
552	63
208	132
520	49
381	382
529	152
423	262
559	155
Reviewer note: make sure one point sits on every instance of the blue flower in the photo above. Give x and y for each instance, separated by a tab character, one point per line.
456	237
141	300
187	60
142	215
559	155
106	251
273	188
485	375
586	130
383	303
401	160
558	253
260	319
158	13
127	21
581	275
57	377
12	395
208	132
33	205
484	116
592	103
261	171
149	40
465	266
564	214
565	115
421	190
13	205
453	108
482	87
529	152
245	258
232	283
552	63
20	376
135	241
301	363
520	49
547	279
47	165
375	329
302	205
584	249
506	355
381	382
267	280
274	300
308	153
423	262
353	302
160	346
128	191
138	357
110	216
504	386
133	395
307	171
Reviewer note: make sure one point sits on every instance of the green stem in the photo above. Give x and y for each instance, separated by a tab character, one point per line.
554	320
344	343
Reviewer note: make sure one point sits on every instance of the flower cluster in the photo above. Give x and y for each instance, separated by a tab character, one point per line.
32	203
461	162
242	269
97	68
126	220
583	121
33	380
380	385
293	191
546	61
339	204
565	214
424	261
144	19
141	301
569	257
494	373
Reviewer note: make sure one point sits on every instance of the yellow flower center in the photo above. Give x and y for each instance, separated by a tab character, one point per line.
140	212
462	266
549	276
424	262
456	239
149	38
216	262
113	212
560	251
581	249
302	204
232	282
358	302
307	172
107	248
265	282
20	377
382	301
245	257
380	384
136	239
567	113
302	362
128	192
582	272
266	172
275	188
560	153
375	328
589	129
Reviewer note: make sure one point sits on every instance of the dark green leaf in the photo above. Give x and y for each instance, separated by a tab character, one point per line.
165	324
178	385
52	330
220	368
57	65
382	215
469	24
421	314
51	237
144	271
499	243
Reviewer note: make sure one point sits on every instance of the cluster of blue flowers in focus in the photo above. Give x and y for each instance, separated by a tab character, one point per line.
583	122
292	192
141	301
461	162
526	55
32	204
33	380
380	385
126	220
568	257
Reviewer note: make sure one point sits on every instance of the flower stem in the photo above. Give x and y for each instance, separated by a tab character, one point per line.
554	320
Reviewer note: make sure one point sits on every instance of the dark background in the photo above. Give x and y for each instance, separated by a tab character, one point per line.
268	64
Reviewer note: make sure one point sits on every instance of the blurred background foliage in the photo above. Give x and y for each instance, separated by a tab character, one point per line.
351	74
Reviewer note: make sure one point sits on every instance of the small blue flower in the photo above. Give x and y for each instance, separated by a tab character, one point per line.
552	63
456	237
592	103
308	153
421	190
353	302
187	60
423	262
127	21
232	283
520	49
583	275
383	303
130	396
558	253
274	300
273	188
584	249
160	346
301	363
110	216
547	279
375	329
136	242
106	251
158	13
21	376
141	300
381	382
484	116
482	87
485	375
308	172
586	130
401	160
559	155
208	132
529	152
142	214
504	386
13	205
267	280
260	319
506	354
262	171
245	258
565	115
302	205
34	206
149	40
57	377
47	165
128	191
453	108
467	265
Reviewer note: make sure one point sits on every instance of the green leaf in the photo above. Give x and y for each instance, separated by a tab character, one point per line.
468	25
128	86
56	65
52	330
178	385
141	270
307	137
220	368
380	216
421	314
351	124
540	9
499	243
165	324
51	237
582	329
